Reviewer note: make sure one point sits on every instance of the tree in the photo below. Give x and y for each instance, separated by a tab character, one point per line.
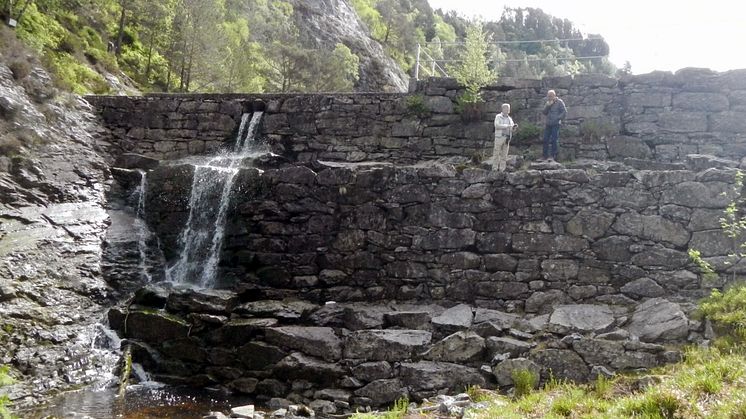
473	71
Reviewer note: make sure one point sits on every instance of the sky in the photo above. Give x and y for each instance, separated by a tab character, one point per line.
651	35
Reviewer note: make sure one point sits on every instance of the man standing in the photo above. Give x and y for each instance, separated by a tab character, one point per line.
555	111
504	127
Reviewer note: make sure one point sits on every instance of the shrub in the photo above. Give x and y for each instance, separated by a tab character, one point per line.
20	69
727	310
416	105
596	129
10	145
526	131
525	381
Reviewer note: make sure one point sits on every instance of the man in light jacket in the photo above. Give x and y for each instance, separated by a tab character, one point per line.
555	111
504	127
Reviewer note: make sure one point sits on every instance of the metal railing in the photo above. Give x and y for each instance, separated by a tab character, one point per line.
425	63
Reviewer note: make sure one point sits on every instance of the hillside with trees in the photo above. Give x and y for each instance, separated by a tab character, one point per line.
274	45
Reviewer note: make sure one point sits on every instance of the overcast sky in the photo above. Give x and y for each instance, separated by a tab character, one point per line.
651	35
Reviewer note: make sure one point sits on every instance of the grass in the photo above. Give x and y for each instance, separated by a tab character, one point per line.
524	381
397	411
709	383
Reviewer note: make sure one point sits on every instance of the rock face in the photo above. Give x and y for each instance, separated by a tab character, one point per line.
582	318
328	22
53	176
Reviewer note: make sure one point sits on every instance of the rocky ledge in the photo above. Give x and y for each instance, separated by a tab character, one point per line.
339	357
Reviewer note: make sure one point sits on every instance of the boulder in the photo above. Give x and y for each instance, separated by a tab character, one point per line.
408	319
562	364
499	318
300	366
384	391
643	287
459	347
501	345
202	301
582	318
316	341
455	318
256	356
503	371
659	320
370	371
386	345
155	326
428	375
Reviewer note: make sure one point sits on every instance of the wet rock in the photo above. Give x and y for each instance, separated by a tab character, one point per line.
659	320
244	385
155	326
202	301
239	331
386	345
316	341
151	295
136	161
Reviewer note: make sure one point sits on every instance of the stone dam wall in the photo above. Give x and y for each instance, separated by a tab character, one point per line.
518	241
371	260
357	285
658	116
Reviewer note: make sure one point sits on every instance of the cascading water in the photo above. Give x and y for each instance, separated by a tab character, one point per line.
202	238
143	232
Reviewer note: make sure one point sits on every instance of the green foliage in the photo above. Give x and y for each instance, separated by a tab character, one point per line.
655	404
397	411
596	129
524	381
568	402
602	387
727	310
476	394
472	71
416	105
5	379
527	131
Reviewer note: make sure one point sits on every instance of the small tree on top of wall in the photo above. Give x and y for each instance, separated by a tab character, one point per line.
473	71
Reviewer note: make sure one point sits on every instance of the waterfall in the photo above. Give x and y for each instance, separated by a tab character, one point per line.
248	141
142	231
201	240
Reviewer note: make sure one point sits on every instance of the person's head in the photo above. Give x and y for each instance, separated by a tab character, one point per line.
505	108
551	95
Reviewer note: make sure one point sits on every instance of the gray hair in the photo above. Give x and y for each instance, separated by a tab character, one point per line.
504	105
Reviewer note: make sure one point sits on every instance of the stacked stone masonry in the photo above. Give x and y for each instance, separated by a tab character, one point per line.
659	116
344	357
518	241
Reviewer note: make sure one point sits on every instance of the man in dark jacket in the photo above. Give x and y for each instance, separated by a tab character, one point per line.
555	112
